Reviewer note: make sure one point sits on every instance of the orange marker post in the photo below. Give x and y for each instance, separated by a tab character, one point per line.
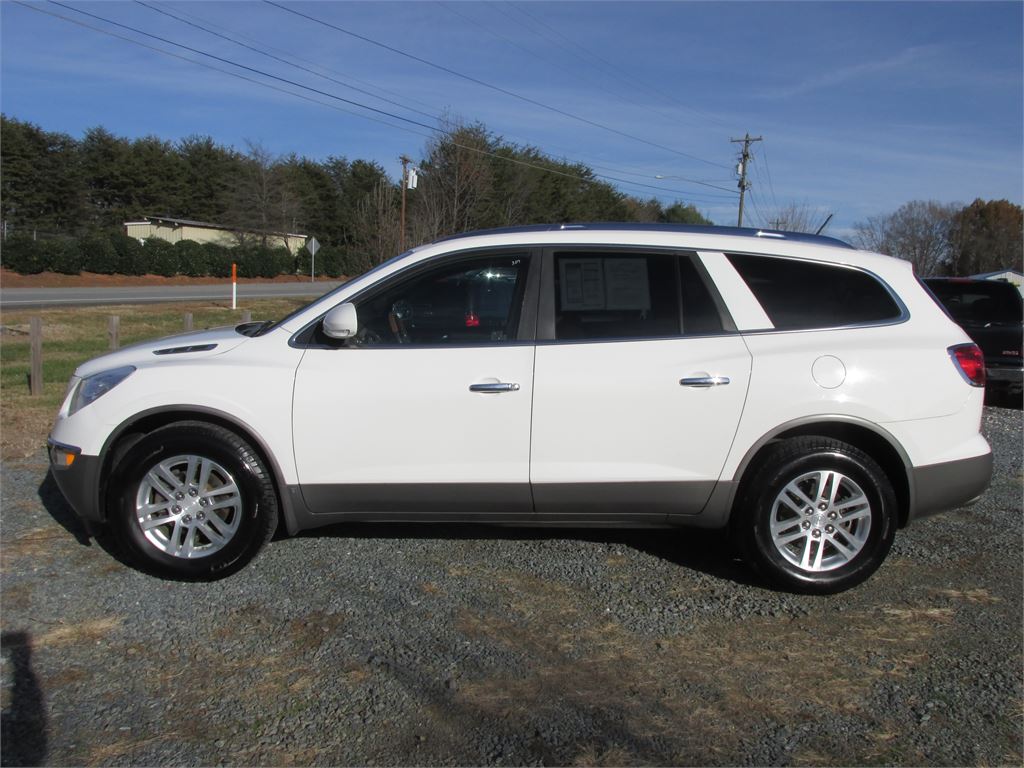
234	286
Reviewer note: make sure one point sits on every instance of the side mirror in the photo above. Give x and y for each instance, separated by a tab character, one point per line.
341	322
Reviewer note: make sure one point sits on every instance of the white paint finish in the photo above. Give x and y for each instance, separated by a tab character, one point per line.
615	411
251	383
406	415
746	310
899	373
828	372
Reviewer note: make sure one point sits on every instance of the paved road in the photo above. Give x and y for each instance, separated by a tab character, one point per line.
51	297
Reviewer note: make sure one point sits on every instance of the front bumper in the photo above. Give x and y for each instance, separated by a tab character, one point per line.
951	484
78	481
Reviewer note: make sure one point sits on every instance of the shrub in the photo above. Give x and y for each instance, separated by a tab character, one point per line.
23	255
130	259
98	254
63	255
192	258
218	259
160	257
259	261
331	261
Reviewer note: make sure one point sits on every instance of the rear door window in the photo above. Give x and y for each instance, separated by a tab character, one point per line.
624	295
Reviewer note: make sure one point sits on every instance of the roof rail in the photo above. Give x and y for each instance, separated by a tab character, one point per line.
615	226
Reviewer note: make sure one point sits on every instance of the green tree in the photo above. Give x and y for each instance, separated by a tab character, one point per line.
985	236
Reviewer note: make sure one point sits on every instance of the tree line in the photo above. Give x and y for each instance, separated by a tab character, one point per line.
57	187
942	239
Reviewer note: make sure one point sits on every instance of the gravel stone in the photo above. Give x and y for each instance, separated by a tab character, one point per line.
456	645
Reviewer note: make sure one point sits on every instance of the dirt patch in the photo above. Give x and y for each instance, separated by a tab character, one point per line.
80	632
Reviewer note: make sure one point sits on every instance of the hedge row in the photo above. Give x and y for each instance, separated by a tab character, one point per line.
119	254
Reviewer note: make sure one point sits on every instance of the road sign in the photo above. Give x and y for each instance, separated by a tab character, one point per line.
312	246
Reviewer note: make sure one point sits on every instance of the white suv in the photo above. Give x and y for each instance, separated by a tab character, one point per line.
809	396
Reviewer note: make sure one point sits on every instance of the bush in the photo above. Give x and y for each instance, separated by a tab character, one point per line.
218	259
333	262
130	260
192	259
23	255
63	255
259	261
159	257
98	255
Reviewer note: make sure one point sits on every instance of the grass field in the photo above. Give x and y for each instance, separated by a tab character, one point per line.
73	335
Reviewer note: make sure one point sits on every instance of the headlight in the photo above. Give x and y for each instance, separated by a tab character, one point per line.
92	387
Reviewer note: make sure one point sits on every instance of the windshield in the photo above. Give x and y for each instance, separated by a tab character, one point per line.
271	326
979	302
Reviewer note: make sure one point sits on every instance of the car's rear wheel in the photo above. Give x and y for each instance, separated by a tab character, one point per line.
819	515
192	500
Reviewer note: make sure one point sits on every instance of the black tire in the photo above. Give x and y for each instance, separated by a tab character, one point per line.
851	549
215	523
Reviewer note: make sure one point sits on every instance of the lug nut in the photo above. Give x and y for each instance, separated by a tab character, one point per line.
203	502
832	515
201	516
193	492
806	524
179	495
830	529
823	506
187	519
177	509
809	511
816	533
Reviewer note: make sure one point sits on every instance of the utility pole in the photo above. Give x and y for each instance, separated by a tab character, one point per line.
744	185
405	184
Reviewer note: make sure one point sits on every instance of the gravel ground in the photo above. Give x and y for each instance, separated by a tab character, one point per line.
448	645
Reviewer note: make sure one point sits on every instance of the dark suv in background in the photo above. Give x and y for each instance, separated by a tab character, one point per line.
992	314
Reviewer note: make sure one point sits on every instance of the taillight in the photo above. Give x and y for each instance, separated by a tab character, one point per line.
970	362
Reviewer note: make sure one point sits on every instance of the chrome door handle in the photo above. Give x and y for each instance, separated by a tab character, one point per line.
494	386
705	381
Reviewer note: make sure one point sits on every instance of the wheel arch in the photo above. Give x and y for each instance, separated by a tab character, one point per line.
133	429
868	437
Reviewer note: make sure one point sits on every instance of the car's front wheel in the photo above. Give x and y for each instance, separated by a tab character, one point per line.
192	500
818	516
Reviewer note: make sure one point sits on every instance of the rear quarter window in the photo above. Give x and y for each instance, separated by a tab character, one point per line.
799	295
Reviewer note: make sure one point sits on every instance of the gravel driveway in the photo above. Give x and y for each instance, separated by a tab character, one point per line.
471	646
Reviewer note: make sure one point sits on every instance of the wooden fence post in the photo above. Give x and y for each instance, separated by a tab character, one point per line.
188	321
114	331
247	316
35	375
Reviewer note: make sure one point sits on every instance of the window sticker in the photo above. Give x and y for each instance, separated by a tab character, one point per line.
589	284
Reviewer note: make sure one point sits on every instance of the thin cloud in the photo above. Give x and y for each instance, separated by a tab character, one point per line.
905	58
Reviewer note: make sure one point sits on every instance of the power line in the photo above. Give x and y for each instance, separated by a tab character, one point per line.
491	86
432	130
283	60
560	46
296	57
618	72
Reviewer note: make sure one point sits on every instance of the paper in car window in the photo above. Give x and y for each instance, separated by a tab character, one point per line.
582	284
604	284
626	285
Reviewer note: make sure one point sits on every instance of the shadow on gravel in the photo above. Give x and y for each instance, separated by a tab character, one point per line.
709	552
54	503
22	724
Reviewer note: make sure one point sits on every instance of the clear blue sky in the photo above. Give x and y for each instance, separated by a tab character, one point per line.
862	106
